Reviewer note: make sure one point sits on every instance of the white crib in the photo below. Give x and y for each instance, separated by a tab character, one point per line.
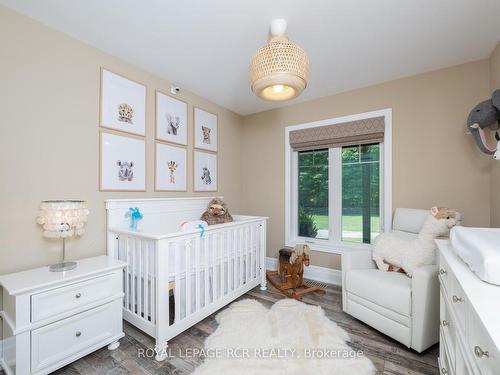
175	279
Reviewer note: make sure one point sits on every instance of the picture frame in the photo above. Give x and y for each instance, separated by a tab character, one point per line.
122	104
205	171
122	162
170	167
171	119
205	130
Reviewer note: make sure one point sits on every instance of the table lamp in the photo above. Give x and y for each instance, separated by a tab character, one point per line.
63	219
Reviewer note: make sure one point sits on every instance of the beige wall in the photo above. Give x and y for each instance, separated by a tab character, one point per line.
49	138
495	172
434	161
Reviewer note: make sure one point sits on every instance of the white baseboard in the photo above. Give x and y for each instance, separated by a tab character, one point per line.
323	274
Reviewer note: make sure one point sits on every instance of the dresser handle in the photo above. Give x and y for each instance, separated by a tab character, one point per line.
442	271
78	334
444	323
457	299
444	371
78	295
480	353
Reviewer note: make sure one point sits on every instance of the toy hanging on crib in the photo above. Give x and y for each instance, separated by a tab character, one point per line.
193	225
135	215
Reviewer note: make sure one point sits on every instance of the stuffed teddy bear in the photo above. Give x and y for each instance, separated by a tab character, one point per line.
217	212
395	250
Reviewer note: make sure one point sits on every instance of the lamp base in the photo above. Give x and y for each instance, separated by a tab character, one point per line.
64	266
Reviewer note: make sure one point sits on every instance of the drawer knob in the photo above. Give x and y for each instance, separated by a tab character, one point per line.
78	334
444	323
457	299
442	271
444	371
480	353
78	295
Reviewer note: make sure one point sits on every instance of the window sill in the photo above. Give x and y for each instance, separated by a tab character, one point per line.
330	247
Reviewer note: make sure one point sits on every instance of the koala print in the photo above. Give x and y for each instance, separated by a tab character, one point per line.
205	176
125	113
206	134
173	124
125	173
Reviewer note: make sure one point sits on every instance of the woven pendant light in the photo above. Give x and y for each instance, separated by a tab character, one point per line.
280	68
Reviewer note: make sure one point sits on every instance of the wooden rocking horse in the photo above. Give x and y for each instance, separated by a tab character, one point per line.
289	278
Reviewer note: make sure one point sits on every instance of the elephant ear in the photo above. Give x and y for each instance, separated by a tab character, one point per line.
495	98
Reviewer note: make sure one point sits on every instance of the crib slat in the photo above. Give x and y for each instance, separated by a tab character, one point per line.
206	267
235	259
252	267
124	247
154	249
214	267
223	264
145	257
240	248
140	277
133	275
198	273
177	284
187	252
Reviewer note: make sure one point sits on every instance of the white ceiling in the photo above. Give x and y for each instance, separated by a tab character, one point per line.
206	46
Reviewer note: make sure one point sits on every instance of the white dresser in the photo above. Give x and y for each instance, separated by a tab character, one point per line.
470	319
50	319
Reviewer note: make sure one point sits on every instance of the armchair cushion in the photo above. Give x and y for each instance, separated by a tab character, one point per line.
391	290
409	219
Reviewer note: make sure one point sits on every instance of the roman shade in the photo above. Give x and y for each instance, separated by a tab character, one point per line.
370	130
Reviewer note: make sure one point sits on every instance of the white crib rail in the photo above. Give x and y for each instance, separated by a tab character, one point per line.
206	273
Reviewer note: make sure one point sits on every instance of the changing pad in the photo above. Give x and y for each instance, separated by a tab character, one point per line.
480	249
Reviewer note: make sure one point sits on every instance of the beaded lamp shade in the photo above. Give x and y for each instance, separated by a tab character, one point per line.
280	68
63	219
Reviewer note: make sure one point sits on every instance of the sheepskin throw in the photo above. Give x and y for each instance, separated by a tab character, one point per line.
290	338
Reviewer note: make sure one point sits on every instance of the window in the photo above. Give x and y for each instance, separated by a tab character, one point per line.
336	197
360	193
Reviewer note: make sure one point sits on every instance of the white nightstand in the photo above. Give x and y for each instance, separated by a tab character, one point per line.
50	319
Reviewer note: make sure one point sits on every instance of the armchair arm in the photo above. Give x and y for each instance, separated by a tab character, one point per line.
354	260
357	260
425	307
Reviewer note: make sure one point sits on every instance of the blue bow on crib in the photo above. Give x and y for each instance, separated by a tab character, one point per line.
202	230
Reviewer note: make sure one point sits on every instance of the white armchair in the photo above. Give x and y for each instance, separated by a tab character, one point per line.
406	309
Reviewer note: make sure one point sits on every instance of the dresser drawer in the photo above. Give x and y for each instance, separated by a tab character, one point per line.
59	341
448	329
458	302
444	364
56	301
481	348
444	272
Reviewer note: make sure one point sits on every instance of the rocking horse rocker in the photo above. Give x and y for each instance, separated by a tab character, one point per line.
289	279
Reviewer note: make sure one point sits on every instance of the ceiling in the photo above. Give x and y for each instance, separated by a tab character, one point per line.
206	46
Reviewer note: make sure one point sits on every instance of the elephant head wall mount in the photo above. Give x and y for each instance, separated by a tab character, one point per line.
486	115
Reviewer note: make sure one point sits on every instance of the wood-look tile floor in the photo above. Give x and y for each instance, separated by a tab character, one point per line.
389	357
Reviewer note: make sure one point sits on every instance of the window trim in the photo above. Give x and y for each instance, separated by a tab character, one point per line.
335	197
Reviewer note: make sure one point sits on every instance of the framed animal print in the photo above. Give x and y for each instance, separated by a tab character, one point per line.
122	163
171	168
171	119
205	171
123	104
205	130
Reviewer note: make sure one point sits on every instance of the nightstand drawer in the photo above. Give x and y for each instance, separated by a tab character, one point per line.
56	301
59	342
